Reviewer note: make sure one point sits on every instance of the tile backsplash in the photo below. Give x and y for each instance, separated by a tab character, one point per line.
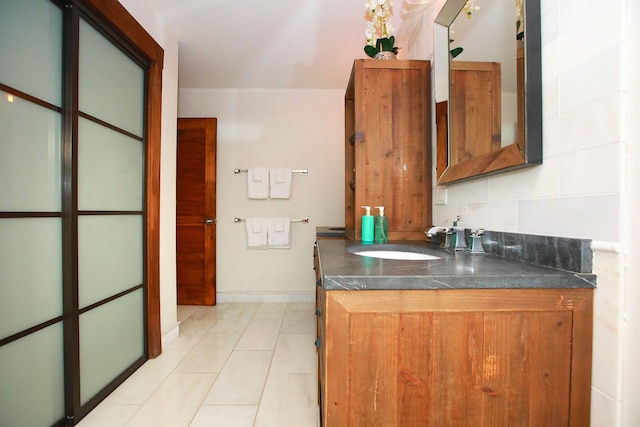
548	251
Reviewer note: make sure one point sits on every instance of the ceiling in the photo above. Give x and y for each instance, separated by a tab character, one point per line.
268	44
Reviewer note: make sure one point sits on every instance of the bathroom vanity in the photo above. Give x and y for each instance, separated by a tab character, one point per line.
460	340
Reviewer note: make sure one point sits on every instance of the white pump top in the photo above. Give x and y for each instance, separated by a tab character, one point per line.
380	209
367	209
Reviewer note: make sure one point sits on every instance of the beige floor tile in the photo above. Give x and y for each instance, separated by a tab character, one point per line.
225	416
105	415
270	311
290	400
233	321
191	332
232	363
175	403
244	306
309	307
186	311
210	354
299	322
211	313
295	353
260	335
145	381
241	381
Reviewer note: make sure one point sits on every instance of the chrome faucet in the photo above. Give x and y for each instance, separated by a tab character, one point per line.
458	241
475	242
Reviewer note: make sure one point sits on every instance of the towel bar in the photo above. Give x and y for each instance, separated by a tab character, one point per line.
304	171
304	219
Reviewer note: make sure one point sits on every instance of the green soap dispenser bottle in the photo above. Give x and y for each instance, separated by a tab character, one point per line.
367	225
381	227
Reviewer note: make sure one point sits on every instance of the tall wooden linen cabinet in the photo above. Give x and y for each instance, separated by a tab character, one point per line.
388	146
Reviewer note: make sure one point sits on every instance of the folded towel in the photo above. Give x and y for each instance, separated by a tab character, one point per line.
257	229
280	180
258	183
279	234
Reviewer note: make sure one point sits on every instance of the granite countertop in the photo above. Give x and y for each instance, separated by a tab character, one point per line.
342	270
330	231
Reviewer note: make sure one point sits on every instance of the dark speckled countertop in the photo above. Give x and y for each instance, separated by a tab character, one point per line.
342	270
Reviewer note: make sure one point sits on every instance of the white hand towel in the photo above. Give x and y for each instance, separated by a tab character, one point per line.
280	180
257	229
279	234
258	183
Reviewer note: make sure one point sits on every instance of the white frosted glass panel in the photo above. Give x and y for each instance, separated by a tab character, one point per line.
111	340
30	157
31	48
31	379
110	256
30	272
111	84
110	169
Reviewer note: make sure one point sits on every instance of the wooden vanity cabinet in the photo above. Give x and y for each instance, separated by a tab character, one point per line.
388	146
518	357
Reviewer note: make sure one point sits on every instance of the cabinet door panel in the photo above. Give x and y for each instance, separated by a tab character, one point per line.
458	355
414	346
372	377
388	146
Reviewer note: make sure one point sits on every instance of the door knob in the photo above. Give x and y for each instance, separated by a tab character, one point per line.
208	221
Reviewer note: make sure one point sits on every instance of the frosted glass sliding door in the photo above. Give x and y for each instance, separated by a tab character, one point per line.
110	205
31	285
72	212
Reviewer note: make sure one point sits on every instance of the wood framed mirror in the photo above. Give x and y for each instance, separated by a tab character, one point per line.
489	97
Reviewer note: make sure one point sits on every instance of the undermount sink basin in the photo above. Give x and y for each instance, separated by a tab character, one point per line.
398	252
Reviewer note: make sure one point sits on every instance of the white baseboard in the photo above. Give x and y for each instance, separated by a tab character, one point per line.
260	297
171	334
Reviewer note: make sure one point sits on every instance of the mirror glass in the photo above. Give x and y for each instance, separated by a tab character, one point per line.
487	86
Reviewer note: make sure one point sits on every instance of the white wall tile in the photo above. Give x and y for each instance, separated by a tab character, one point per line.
550	25
605	412
550	102
597	171
584	84
492	216
607	364
531	183
595	217
470	191
607	334
580	41
445	215
595	125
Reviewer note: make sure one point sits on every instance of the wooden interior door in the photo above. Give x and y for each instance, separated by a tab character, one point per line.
195	211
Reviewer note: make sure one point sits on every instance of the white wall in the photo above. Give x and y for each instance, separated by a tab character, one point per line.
586	184
144	14
299	129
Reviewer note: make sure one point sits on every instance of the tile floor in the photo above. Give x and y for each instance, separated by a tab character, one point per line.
233	365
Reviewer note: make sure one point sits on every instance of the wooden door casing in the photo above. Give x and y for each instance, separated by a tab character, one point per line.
195	211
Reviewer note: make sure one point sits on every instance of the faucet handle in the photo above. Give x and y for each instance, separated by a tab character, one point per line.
475	242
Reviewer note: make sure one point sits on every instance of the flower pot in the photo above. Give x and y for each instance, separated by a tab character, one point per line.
385	54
